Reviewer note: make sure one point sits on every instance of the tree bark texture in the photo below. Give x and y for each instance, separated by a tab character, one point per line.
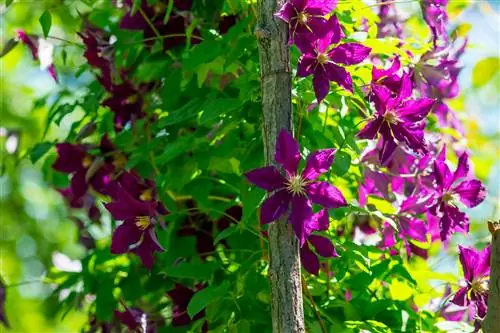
491	324
284	270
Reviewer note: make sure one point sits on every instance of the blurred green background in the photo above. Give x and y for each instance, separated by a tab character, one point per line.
35	231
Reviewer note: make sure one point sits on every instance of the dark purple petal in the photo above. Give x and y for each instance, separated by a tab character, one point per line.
273	207
309	260
339	75
326	195
333	36
305	67
130	317
320	221
442	175
371	129
301	218
462	167
69	158
78	184
287	152
323	246
475	264
146	249
127	208
324	6
381	73
381	97
321	86
349	53
415	110
267	178
460	297
452	220
413	228
318	163
388	148
124	236
286	12
471	192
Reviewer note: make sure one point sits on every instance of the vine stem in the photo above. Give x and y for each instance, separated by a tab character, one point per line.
313	306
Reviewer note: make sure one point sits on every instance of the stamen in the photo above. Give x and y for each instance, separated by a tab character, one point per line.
323	58
296	185
391	118
119	160
146	195
449	197
143	222
87	161
480	285
303	18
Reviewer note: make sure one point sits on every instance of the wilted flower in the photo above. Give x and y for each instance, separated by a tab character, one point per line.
321	61
296	189
306	19
476	267
470	192
397	120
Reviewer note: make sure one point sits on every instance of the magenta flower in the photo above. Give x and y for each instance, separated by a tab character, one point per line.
306	19
390	25
436	18
299	190
388	77
397	120
470	192
139	215
34	43
321	61
476	267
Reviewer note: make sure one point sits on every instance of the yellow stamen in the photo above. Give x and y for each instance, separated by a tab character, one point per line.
142	222
323	58
479	285
391	118
295	185
133	99
303	18
87	161
146	195
119	160
449	197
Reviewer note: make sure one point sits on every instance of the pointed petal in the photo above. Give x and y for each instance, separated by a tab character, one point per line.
318	163
349	53
287	152
406	87
320	221
442	175
415	110
124	236
321	87
460	297
471	192
267	178
452	220
380	73
371	129
388	148
301	217
333	36
274	207
322	193
462	167
309	260
414	228
381	97
323	246
325	6
305	67
339	75
474	263
286	12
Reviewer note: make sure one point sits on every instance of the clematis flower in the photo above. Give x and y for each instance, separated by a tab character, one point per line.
306	19
476	267
299	190
322	245
388	77
448	118
391	24
321	61
41	50
137	232
397	120
133	318
436	17
470	192
181	296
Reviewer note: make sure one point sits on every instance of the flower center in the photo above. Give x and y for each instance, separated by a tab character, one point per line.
119	160
391	118
323	58
87	161
303	18
479	285
142	222
449	197
295	185
146	195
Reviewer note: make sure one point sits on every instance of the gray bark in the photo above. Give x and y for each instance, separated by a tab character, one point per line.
284	270
491	323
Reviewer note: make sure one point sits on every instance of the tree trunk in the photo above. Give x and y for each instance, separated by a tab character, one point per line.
491	323
284	270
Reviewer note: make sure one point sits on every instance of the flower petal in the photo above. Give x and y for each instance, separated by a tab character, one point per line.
442	175
318	163
323	246
322	193
267	178
471	192
325	6
475	264
349	53
273	207
462	167
69	158
287	152
339	75
124	236
301	217
371	129
321	86
309	260
451	221
460	297
415	110
333	36
305	67
286	12
388	148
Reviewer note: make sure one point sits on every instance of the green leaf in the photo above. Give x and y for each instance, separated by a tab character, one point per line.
216	107
204	297
46	22
226	233
8	2
39	150
198	271
188	111
9	46
484	71
341	163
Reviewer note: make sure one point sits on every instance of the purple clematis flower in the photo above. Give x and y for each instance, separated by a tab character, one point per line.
390	77
476	267
139	215
34	43
391	24
322	245
398	120
436	17
181	296
321	61
306	19
133	318
470	192
297	189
